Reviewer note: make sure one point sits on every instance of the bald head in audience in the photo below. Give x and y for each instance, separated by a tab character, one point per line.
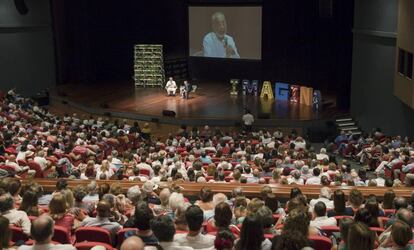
42	229
133	243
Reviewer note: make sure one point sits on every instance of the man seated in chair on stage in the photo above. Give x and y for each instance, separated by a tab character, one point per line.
171	86
185	90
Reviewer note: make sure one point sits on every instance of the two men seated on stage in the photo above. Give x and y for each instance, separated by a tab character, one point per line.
171	86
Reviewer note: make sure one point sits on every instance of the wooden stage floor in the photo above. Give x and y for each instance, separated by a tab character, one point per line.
210	101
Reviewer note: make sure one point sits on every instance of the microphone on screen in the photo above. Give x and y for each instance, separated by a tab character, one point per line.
225	41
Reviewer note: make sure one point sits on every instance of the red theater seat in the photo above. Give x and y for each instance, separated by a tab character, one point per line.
121	234
321	242
61	235
95	234
18	235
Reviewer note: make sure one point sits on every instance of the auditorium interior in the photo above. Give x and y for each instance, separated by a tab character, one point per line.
271	124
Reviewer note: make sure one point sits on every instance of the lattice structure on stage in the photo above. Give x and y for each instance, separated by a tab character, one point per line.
148	65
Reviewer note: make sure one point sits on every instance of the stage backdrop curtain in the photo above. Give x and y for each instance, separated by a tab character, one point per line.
306	95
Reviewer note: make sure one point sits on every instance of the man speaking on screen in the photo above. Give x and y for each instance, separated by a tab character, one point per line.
217	43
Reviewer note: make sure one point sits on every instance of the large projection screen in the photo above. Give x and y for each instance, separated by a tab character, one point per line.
225	32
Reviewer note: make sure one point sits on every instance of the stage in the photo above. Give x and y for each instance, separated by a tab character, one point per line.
210	104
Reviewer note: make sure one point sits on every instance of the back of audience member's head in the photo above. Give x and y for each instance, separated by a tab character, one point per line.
266	216
103	189
254	205
134	194
292	240
319	209
406	215
6	233
240	201
6	202
163	228
339	201
175	200
142	216
14	186
206	195
219	197
360	237
272	202
298	220
295	192
373	208
388	182
400	202
42	229
103	209
57	206
133	243
363	216
344	225
325	193
316	171
401	233
224	240
165	196
194	216
388	202
356	198
251	235
222	215
299	202
61	184
266	189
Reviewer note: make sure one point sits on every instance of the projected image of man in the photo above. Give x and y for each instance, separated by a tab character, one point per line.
217	43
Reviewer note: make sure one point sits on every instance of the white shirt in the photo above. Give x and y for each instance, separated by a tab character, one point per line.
314	180
248	119
48	246
200	241
323	221
41	161
213	47
171	84
328	203
18	217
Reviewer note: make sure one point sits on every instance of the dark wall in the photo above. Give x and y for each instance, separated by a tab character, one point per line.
95	41
27	49
372	101
95	38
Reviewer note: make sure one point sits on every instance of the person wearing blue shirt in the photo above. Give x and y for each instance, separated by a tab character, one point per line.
217	43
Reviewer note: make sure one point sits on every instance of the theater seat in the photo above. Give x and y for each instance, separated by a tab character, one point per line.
121	234
321	242
329	230
95	234
89	245
61	235
18	235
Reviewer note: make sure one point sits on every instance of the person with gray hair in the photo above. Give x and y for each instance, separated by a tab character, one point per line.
134	194
92	196
324	196
217	43
218	198
164	207
175	200
42	232
15	217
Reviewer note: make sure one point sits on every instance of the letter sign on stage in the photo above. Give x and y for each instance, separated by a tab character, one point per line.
267	90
